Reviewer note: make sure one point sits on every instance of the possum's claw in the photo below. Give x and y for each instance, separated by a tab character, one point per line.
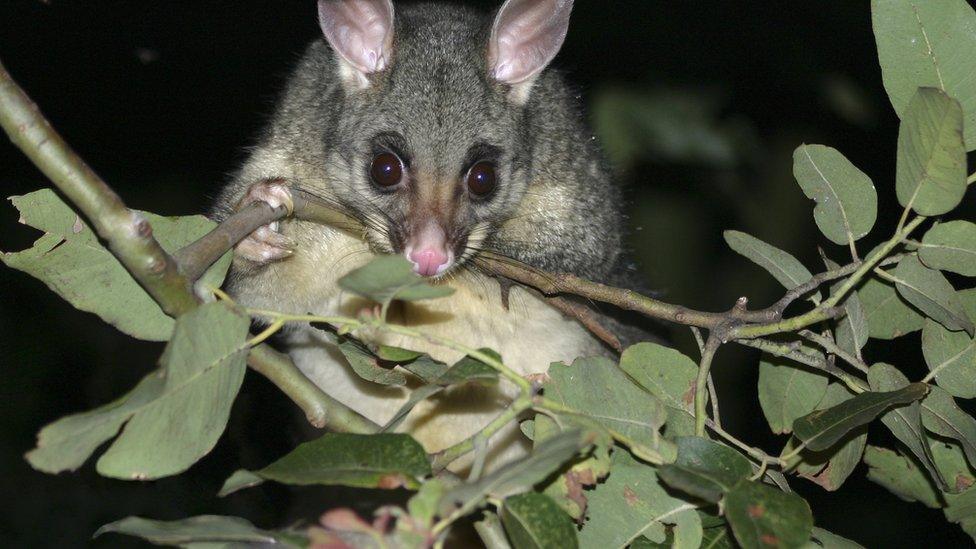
266	244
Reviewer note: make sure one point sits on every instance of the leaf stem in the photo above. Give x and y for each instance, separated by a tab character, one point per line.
831	347
445	457
701	384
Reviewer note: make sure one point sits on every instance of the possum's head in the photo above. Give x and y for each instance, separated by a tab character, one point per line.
426	147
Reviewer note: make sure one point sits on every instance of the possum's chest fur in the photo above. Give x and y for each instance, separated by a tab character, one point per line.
529	335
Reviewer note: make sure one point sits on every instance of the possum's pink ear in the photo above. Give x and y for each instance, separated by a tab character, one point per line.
526	37
360	31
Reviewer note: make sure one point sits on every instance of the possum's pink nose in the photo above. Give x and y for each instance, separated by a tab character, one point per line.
429	262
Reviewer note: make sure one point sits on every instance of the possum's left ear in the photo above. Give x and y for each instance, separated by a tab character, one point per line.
525	38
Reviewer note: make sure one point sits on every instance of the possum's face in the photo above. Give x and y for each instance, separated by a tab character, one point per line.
427	142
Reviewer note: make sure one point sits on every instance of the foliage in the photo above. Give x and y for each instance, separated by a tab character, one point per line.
624	452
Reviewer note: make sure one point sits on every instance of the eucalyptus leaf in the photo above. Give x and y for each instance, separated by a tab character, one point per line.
900	476
927	44
521	476
784	267
471	370
670	376
852	330
951	355
417	396
387	278
847	203
831	467
822	429
382	460
705	469
788	391
827	540
887	313
942	416
534	521
762	516
950	247
599	390
206	529
72	262
929	290
366	366
931	168
905	422
632	503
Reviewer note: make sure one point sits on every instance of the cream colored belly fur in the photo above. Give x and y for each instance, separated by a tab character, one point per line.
529	336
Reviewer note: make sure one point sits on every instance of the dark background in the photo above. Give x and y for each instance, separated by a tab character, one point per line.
162	97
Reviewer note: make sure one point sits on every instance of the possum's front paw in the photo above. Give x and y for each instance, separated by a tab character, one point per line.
266	244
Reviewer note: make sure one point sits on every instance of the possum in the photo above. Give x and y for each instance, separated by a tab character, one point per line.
445	133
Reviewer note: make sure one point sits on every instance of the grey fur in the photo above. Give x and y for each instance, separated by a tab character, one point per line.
556	207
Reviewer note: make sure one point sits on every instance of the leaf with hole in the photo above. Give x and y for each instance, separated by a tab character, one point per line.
822	429
788	391
931	170
762	516
534	521
633	503
950	247
928	44
72	262
784	267
389	278
705	469
929	290
382	460
847	203
951	355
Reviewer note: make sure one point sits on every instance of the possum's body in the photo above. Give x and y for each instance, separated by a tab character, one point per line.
453	90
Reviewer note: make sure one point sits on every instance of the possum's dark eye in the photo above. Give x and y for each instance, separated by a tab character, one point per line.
481	179
386	170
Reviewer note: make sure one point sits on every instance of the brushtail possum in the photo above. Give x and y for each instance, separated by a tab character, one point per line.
445	133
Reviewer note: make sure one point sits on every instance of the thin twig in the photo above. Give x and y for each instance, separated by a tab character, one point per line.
701	385
587	318
713	398
831	347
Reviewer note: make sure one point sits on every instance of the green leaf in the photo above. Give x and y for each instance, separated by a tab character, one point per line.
197	531
931	171
585	471
705	469
942	416
632	503
70	260
961	508
951	356
382	460
203	367
471	370
387	278
950	247
668	375
424	505
950	460
927	44
847	204
366	366
238	481
822	429
904	422
831	467
784	267
888	315
929	290
522	475
762	516
852	330
417	396
534	521
788	391
827	540
900	476
397	355
597	389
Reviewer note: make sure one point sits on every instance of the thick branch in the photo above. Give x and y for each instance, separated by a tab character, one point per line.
127	233
195	259
129	238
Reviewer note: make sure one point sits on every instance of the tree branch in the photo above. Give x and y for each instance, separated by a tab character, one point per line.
129	238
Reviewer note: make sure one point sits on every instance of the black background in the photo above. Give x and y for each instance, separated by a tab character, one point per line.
162	97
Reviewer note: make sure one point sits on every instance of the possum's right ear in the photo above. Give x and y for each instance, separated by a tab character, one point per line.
361	32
